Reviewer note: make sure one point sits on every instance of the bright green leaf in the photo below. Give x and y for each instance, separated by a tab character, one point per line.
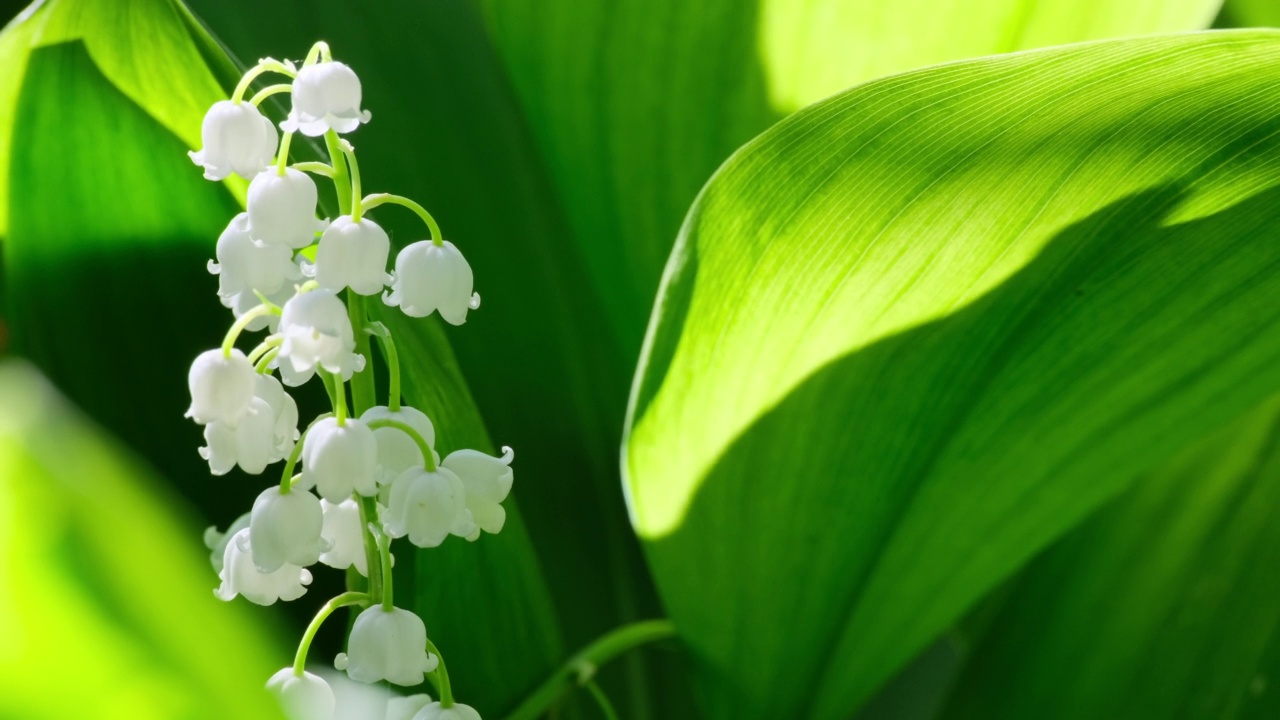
1251	13
89	627
1160	605
914	334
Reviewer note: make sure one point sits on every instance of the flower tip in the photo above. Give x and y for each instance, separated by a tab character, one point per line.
507	455
474	304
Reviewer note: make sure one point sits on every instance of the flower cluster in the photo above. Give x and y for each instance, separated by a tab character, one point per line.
369	476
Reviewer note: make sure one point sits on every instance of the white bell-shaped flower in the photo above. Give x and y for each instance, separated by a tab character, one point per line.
389	645
433	277
237	139
285	529
243	302
282	209
284	411
428	506
303	697
457	711
250	444
217	541
397	451
221	387
244	265
241	577
317	333
339	459
404	708
343	533
487	480
326	96
353	254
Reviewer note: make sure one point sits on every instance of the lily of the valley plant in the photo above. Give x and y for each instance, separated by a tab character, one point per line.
369	472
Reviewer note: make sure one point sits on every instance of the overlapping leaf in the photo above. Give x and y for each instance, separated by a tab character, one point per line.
89	627
914	334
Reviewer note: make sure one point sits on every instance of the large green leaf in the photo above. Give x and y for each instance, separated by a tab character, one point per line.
1250	13
111	227
102	583
914	334
634	103
1160	605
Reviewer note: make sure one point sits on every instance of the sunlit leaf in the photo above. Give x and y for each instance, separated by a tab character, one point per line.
911	336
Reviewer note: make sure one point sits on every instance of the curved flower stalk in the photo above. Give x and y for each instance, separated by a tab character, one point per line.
316	329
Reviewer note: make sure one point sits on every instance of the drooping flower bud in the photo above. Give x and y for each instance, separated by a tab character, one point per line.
243	302
245	266
389	645
217	541
397	451
282	209
343	533
285	528
317	333
430	277
458	711
487	481
250	444
241	577
427	507
326	96
339	459
284	414
221	387
237	139
404	708
303	697
353	254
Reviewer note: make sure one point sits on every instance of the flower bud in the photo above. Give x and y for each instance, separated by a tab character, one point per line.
241	577
250	444
237	139
285	528
344	534
353	254
317	333
339	459
245	266
458	711
397	451
217	541
221	387
486	480
326	96
427	507
404	708
430	277
282	209
389	645
243	302
303	697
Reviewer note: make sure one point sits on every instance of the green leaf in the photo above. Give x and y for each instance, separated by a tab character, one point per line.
86	535
1250	13
634	103
911	336
1160	604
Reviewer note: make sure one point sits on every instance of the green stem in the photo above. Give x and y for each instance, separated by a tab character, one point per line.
369	515
229	342
350	153
429	460
383	334
384	552
264	363
282	161
316	168
341	179
338	394
594	655
272	341
363	392
446	692
376	199
606	707
319	50
343	600
267	65
286	477
270	90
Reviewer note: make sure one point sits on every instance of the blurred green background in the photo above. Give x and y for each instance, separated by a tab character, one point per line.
561	144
